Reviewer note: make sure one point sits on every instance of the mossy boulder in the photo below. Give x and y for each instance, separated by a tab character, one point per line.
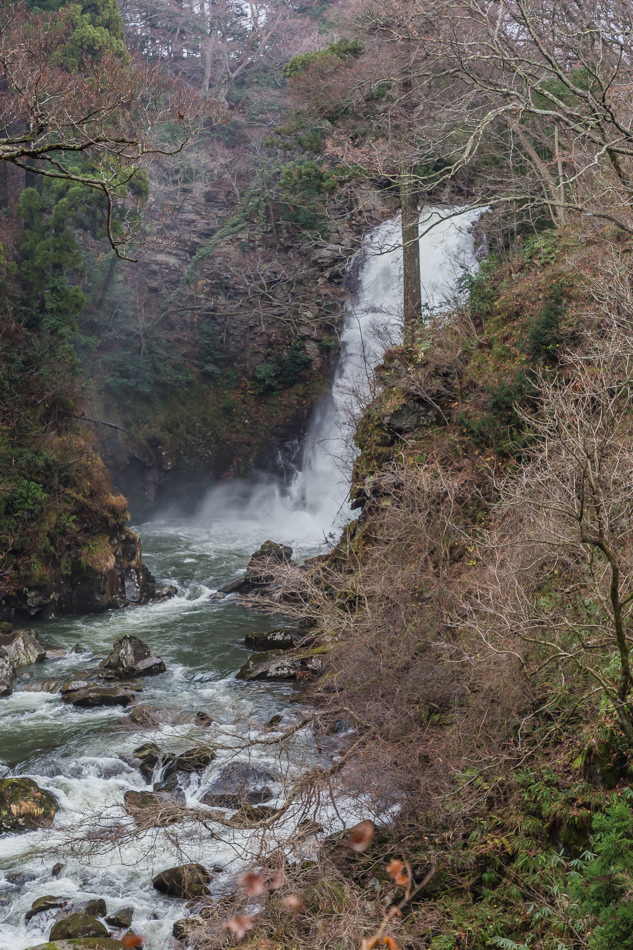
78	925
24	806
185	881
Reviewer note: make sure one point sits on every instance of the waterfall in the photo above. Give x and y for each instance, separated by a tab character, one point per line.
373	324
315	505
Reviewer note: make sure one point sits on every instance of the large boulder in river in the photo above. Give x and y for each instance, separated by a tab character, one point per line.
92	696
78	925
22	647
25	806
7	674
283	665
131	657
239	784
186	881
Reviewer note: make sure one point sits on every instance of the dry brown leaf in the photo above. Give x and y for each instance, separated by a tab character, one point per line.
361	835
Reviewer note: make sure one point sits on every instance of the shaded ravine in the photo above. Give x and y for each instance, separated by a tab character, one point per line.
80	755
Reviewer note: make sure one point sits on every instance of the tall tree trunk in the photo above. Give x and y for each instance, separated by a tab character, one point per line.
411	252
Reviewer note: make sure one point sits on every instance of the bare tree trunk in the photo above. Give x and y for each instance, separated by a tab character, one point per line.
411	252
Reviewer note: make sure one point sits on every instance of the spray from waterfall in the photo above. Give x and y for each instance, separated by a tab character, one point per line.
315	506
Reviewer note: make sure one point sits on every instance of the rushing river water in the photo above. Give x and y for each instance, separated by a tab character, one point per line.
81	755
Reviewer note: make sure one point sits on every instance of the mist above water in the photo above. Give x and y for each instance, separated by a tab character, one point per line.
314	506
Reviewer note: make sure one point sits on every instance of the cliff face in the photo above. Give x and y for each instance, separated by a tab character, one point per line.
210	356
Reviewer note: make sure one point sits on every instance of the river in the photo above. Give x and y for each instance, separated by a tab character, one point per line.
81	755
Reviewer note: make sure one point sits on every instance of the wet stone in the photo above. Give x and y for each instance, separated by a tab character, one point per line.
95	696
42	904
22	647
7	674
78	925
239	784
121	918
131	657
185	881
96	908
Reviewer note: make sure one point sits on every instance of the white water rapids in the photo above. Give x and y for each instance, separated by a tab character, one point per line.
80	755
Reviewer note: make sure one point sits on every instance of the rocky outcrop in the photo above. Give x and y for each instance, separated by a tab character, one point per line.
186	881
283	665
120	580
131	657
22	647
260	571
24	806
7	674
78	925
239	784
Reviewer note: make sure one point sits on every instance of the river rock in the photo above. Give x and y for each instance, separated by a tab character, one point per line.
49	902
239	784
22	647
258	572
196	759
186	881
139	800
131	657
96	908
121	918
25	806
93	696
77	925
146	758
7	674
282	665
282	639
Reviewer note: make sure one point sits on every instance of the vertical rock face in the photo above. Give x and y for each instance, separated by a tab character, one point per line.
7	674
122	580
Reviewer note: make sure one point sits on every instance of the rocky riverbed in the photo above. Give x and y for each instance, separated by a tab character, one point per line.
124	728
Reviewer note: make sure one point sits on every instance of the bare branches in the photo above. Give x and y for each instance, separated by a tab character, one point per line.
97	127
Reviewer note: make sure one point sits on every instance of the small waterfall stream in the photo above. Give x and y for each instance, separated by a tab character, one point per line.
82	756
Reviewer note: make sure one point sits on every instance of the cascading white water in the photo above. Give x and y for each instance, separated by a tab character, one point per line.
315	505
373	323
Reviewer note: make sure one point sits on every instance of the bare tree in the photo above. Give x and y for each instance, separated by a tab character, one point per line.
113	116
559	557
